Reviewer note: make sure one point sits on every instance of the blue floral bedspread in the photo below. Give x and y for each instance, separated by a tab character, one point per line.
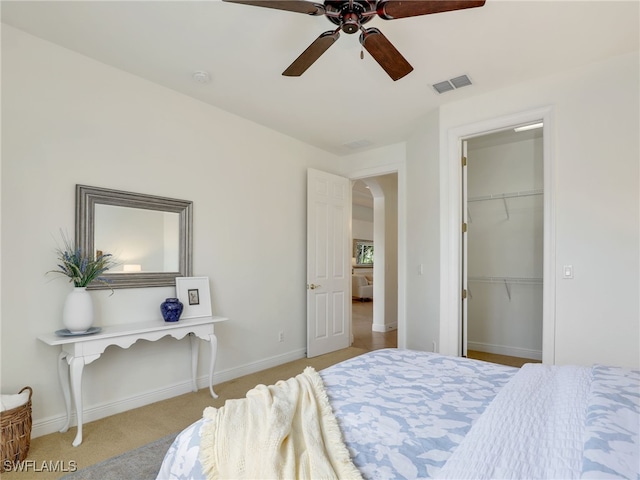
612	426
402	412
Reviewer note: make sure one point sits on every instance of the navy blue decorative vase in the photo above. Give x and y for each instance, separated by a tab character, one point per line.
171	309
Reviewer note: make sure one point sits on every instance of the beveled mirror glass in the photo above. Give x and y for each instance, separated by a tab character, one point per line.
149	236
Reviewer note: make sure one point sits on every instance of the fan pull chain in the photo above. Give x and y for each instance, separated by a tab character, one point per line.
361	53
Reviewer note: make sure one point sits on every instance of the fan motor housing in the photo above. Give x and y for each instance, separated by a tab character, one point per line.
350	13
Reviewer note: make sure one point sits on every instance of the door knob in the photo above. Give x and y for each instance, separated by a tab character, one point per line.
313	286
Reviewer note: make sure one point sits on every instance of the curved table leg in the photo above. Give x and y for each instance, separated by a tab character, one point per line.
76	366
213	340
195	345
63	376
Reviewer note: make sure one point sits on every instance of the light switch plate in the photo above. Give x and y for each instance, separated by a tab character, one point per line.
567	271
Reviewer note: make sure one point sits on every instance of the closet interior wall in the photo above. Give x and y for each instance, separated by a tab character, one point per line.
505	243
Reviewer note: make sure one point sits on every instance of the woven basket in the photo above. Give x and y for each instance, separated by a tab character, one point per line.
15	433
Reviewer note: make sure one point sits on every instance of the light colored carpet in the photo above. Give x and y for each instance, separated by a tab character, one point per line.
136	428
140	464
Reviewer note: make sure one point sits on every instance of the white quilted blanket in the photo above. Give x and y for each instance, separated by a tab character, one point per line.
283	431
533	429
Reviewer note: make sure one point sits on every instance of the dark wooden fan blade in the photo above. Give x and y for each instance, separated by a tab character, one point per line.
381	49
299	6
391	9
312	53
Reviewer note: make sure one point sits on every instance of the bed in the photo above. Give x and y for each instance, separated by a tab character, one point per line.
409	414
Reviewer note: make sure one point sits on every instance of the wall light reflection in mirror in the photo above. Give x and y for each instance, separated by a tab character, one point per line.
136	236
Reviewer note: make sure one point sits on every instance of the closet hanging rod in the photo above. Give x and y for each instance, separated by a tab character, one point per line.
522	280
494	196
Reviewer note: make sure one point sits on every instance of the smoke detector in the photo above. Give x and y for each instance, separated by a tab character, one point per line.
202	76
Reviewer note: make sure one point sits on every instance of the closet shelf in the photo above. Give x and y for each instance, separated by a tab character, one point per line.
503	197
507	281
497	196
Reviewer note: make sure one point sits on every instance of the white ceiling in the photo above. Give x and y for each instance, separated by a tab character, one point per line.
340	99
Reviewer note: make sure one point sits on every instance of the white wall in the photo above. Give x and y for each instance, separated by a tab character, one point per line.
595	153
67	119
361	225
424	252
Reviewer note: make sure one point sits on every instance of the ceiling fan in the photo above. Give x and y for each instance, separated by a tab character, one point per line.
350	16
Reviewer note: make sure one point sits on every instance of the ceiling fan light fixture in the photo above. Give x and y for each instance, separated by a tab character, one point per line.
350	16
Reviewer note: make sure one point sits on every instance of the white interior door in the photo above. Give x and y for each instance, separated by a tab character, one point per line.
328	262
464	256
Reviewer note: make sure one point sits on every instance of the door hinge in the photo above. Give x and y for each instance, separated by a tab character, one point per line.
464	228
464	161
464	293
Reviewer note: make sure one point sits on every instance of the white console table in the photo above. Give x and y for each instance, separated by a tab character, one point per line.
78	351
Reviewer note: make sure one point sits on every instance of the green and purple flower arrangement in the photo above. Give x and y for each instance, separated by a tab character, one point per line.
80	268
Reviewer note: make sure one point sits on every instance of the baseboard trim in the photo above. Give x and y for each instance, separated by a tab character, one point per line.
387	327
96	412
253	367
54	423
505	350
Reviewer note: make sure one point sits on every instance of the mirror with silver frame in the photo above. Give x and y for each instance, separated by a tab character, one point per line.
150	237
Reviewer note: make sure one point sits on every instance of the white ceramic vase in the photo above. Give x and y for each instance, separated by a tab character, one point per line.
77	314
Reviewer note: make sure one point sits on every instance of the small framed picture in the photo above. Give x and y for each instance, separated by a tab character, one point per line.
194	294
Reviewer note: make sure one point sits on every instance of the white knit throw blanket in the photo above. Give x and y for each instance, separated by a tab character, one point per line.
282	431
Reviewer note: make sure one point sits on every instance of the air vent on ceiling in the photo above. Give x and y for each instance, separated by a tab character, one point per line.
443	86
452	84
358	144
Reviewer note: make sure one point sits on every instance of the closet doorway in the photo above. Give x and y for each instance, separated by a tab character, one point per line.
502	247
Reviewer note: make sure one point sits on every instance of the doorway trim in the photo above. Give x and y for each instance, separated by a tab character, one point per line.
400	169
451	224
